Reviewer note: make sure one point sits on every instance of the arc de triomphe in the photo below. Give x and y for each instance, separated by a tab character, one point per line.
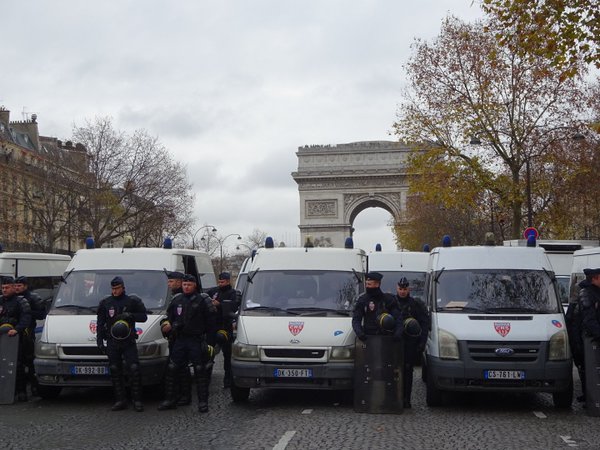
337	182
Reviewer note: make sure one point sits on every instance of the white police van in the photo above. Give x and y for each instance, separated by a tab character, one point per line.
43	272
66	354
396	264
496	324
294	328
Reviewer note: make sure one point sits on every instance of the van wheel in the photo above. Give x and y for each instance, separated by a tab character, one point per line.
48	392
563	399
239	394
433	396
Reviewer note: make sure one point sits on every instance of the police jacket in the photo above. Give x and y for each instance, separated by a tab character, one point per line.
411	307
124	307
589	297
192	315
367	310
38	309
16	311
228	305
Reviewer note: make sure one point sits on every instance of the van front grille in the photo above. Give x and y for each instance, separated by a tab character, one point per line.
293	353
81	351
496	351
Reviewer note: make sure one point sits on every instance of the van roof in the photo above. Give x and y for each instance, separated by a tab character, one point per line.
398	261
36	256
314	258
495	257
140	258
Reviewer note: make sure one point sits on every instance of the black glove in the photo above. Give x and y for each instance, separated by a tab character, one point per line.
101	346
421	347
362	337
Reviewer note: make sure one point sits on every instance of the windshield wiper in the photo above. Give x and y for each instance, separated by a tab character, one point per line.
315	309
459	308
512	309
81	307
270	308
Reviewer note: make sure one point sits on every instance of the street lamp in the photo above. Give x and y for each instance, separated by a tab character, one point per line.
214	230
221	242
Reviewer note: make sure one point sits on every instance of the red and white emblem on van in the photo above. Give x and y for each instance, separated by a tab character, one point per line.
295	327
93	326
502	328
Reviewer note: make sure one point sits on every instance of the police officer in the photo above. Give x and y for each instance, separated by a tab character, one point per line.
15	315
589	298
416	325
117	315
225	300
191	323
38	312
371	306
174	280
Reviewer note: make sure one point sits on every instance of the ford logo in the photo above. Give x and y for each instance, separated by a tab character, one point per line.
504	351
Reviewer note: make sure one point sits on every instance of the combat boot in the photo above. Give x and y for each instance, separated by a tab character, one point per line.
136	387
170	401
116	377
202	380
185	387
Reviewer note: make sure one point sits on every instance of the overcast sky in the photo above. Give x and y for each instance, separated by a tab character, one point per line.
231	88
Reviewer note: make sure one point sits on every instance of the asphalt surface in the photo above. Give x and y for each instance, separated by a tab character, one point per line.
275	419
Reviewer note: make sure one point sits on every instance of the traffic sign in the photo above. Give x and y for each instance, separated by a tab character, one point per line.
531	231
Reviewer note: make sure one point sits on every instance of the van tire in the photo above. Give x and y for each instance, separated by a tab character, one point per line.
48	392
433	395
239	394
563	399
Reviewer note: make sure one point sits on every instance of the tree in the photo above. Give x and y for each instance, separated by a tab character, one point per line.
133	186
560	31
465	89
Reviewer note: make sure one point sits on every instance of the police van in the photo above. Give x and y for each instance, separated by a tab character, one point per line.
496	324
66	354
294	328
394	265
43	272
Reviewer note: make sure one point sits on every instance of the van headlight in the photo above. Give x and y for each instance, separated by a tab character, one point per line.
448	345
244	351
148	350
558	349
345	353
45	350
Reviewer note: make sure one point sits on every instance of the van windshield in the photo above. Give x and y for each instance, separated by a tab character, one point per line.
416	282
83	290
499	291
284	290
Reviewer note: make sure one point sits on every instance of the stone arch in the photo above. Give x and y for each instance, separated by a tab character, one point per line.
338	182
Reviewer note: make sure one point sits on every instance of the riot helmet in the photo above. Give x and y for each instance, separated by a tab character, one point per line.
386	322
412	328
120	330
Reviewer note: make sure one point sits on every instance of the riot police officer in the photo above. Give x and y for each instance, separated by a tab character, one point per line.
371	307
589	298
117	315
225	299
38	312
15	316
416	325
191	323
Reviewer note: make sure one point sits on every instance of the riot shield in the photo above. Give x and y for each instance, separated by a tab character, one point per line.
378	376
592	376
9	350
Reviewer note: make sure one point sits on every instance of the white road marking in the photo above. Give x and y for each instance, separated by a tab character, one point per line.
285	440
307	411
539	414
570	442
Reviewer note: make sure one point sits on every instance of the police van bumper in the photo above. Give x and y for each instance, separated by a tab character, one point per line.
85	373
458	375
285	375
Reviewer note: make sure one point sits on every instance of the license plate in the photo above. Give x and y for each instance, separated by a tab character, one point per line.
293	373
504	374
89	370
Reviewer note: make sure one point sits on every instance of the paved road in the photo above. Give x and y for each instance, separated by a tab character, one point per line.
81	419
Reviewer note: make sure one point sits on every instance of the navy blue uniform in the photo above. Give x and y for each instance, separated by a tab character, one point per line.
15	310
226	310
368	308
112	309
